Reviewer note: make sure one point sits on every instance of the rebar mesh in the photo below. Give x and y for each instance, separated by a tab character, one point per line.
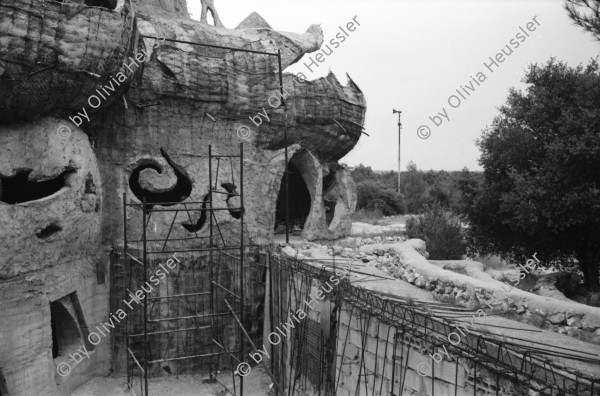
380	338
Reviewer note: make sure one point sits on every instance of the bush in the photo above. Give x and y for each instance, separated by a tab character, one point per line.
371	216
441	231
378	190
373	196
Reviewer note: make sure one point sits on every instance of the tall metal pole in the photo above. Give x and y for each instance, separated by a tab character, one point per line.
211	265
399	140
285	143
129	382
144	223
242	272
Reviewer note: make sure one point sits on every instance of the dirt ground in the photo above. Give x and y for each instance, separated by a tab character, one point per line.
255	384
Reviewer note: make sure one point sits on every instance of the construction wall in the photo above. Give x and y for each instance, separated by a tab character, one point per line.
343	349
186	311
379	359
45	321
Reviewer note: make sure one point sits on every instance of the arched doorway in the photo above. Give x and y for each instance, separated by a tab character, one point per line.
301	190
329	196
3	387
65	332
299	201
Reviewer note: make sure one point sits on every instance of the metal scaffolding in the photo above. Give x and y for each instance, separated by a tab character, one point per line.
185	316
142	340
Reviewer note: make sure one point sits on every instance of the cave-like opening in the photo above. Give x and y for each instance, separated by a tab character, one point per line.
329	200
299	200
110	4
65	332
3	387
48	231
19	189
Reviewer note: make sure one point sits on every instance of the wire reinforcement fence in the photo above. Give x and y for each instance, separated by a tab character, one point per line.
361	342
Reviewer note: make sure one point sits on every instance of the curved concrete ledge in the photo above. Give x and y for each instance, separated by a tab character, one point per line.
370	230
409	255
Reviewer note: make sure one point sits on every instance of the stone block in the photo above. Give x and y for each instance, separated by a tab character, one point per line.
350	351
557	319
574	321
376	345
370	360
349	242
446	371
356	337
347	382
374	327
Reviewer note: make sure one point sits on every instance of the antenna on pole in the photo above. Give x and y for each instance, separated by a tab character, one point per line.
399	140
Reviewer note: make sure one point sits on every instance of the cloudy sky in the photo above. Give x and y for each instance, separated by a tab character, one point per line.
412	55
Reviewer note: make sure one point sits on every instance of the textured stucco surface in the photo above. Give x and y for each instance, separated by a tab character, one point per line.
181	98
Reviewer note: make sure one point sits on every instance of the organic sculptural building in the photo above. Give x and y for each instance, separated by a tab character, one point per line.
101	98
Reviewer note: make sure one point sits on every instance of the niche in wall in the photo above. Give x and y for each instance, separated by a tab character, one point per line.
69	330
110	4
3	387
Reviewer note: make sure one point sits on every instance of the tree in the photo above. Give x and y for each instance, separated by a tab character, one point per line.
414	188
541	159
467	186
437	193
361	172
441	231
585	13
375	194
377	190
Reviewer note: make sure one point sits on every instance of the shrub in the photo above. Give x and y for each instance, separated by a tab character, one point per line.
373	195
378	190
441	231
369	215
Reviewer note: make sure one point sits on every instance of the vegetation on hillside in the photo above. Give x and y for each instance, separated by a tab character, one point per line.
441	230
540	189
377	191
541	159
